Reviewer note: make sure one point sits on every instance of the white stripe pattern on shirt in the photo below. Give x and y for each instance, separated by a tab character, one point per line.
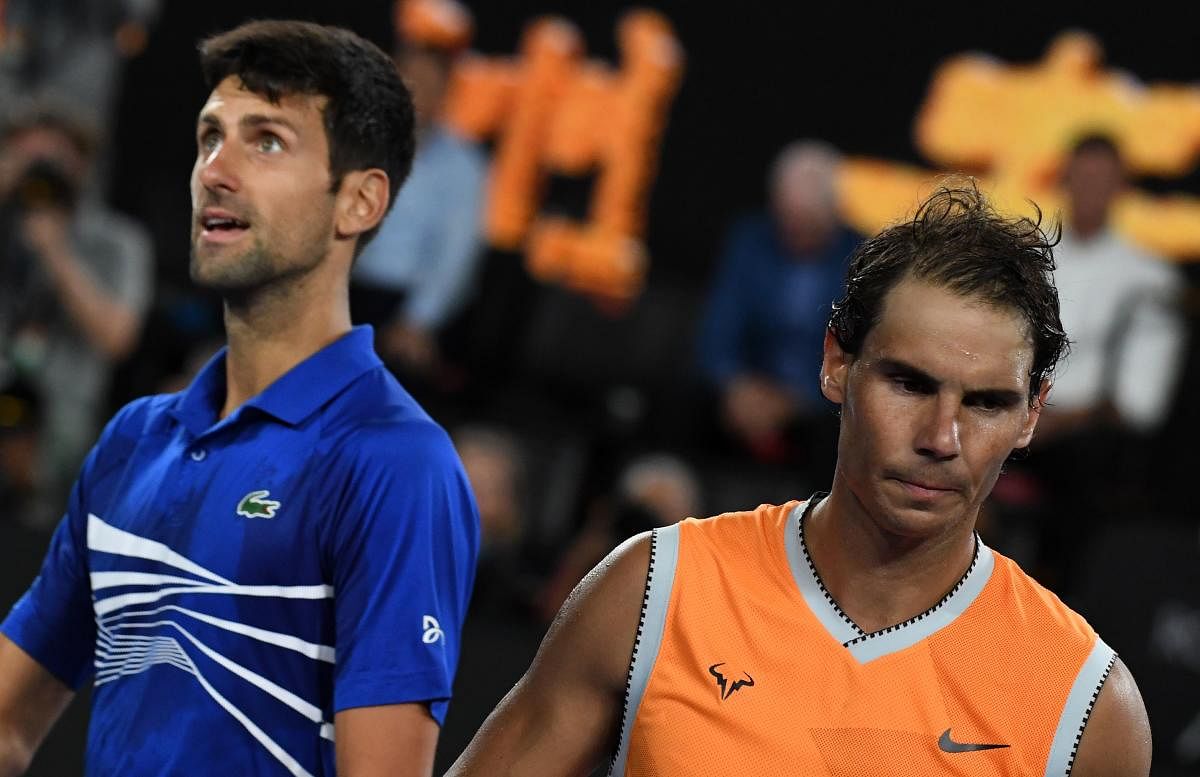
120	653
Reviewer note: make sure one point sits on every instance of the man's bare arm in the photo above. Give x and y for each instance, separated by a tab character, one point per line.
563	715
1116	741
31	700
396	740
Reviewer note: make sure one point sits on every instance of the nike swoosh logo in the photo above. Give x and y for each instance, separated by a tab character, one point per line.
948	745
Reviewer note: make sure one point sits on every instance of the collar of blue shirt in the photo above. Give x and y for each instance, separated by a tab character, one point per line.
290	399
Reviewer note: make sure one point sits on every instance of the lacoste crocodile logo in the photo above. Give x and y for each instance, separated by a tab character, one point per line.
256	505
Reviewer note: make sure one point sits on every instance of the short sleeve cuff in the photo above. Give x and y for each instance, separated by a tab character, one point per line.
44	645
375	688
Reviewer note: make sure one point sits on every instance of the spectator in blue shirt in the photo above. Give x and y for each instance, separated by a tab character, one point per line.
760	343
266	573
418	273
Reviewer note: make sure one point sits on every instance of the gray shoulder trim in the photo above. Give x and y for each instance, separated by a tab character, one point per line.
1078	709
664	554
811	587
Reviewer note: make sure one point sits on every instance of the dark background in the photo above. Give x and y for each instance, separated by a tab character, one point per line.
758	75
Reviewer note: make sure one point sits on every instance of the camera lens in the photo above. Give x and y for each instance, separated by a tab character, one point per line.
44	185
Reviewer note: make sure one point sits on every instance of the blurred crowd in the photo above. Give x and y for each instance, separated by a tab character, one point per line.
577	427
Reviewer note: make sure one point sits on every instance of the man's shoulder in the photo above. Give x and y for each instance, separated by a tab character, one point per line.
376	417
399	438
749	535
138	416
375	396
743	520
1156	272
1035	606
120	437
1123	259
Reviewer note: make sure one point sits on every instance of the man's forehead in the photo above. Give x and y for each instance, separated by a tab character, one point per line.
938	329
232	96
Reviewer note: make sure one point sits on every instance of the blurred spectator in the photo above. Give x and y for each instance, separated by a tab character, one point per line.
418	270
72	50
494	466
76	285
760	345
1119	307
20	429
653	490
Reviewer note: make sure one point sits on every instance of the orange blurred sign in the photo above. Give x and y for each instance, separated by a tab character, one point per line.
1015	125
553	111
442	24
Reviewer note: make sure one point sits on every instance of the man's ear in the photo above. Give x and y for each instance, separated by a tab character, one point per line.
835	366
1035	413
361	202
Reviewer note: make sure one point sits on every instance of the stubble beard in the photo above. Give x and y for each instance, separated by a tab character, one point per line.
258	271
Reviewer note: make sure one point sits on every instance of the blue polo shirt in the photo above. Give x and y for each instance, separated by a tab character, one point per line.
231	584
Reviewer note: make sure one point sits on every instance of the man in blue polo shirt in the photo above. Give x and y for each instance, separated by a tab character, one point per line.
267	573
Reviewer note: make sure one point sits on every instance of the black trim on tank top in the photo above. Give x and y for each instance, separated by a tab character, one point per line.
1088	714
863	635
812	502
637	643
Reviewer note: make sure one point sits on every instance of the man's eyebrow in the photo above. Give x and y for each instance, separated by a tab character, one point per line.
997	396
1001	396
259	119
252	120
897	367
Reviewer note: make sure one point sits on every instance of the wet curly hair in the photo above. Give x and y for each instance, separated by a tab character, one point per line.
959	242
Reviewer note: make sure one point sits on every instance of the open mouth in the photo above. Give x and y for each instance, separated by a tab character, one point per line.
224	224
222	229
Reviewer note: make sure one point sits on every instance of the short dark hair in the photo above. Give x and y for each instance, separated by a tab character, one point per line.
958	241
369	117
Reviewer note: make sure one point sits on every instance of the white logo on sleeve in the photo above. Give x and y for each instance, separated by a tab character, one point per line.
433	630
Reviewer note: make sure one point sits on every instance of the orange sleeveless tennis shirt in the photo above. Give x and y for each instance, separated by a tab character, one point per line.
745	666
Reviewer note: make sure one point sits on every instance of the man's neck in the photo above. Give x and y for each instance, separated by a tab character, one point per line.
278	328
877	578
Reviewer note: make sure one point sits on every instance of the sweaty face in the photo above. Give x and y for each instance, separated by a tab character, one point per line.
262	209
931	407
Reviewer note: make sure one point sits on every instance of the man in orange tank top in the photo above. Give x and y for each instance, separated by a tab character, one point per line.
869	630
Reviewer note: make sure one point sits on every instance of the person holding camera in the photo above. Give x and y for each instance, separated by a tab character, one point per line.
75	284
